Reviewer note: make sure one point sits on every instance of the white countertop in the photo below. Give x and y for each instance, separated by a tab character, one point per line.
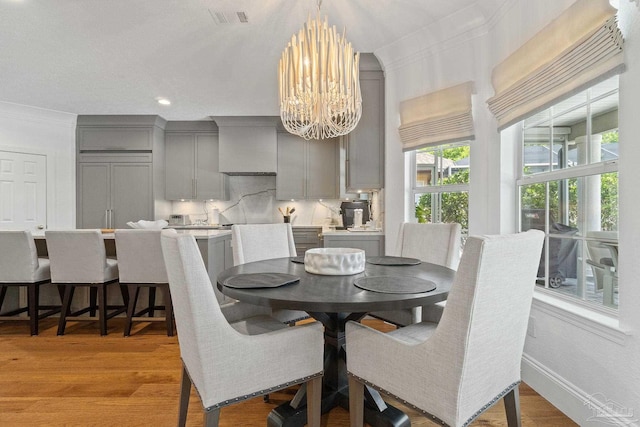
205	234
198	227
198	234
352	233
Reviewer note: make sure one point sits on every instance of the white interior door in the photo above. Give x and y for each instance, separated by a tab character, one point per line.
23	191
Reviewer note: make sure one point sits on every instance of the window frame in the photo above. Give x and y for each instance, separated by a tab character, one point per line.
437	189
574	172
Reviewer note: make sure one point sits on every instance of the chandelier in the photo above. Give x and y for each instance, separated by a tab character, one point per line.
319	82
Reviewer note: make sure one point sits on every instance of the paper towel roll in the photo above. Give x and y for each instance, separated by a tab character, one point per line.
357	218
214	218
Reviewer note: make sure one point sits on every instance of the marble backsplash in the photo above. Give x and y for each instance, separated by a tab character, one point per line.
252	199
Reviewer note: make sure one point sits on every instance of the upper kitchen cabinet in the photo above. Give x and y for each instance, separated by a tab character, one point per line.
365	144
248	145
118	133
192	162
120	170
307	169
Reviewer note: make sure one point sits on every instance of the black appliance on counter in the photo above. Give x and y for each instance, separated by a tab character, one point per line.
347	208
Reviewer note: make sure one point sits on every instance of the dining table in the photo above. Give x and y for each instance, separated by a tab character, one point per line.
334	300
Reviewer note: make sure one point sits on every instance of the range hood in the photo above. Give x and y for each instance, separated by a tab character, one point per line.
248	145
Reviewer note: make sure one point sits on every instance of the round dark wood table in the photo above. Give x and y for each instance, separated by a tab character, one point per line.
334	300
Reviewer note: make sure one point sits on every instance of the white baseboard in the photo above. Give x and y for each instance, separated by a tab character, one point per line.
584	409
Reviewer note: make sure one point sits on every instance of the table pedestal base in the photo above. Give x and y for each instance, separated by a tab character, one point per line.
286	416
335	392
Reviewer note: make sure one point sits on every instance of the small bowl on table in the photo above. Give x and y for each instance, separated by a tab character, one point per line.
334	261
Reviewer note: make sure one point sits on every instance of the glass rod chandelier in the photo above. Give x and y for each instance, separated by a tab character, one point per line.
319	82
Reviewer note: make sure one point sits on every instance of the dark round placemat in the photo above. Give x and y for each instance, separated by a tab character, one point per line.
393	260
395	284
260	280
297	259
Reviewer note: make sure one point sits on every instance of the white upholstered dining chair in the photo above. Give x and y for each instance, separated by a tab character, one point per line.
231	362
257	242
20	266
454	370
434	243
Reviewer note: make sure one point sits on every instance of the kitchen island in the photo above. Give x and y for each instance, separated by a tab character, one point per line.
214	245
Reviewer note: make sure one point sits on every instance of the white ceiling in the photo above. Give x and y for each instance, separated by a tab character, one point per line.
118	56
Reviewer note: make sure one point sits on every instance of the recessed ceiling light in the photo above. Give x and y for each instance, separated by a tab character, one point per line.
163	101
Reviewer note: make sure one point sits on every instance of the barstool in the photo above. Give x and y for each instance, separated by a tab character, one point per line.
20	266
141	264
78	258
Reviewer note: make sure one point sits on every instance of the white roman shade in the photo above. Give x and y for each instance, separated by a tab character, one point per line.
579	48
437	118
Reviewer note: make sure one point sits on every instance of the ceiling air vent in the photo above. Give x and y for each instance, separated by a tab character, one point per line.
221	17
242	16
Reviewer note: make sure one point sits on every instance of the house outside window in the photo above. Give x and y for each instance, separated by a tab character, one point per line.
568	188
440	184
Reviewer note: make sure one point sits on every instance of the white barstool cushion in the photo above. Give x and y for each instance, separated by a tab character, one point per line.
79	256
43	271
140	256
19	262
111	270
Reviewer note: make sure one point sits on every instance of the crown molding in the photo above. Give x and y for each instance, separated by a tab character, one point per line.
28	113
441	42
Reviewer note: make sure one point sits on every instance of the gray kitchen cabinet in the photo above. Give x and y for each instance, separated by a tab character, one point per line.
112	194
120	170
217	256
307	169
117	132
365	144
192	167
372	244
248	145
307	238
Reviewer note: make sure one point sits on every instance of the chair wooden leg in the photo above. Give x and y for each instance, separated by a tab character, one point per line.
93	294
3	293
125	296
512	407
66	308
102	307
61	293
168	311
152	300
133	290
185	392
33	293
356	402
314	402
211	418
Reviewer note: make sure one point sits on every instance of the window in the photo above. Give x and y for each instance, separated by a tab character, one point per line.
441	184
569	189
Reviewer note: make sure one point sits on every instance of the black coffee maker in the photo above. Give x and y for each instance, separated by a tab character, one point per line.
347	208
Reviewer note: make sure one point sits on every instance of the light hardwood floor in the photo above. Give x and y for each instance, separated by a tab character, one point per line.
82	379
